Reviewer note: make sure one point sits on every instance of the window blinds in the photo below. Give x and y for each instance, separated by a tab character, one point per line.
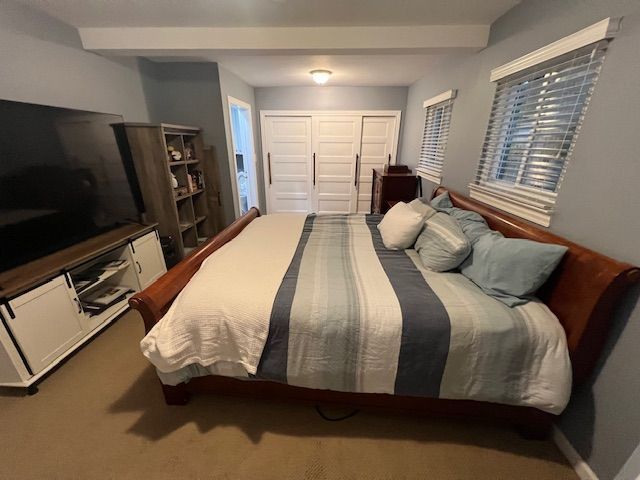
533	124
434	139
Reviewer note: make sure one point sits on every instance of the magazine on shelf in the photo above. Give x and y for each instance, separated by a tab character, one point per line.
105	296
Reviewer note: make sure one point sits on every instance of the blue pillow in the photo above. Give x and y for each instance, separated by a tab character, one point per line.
511	269
472	223
442	202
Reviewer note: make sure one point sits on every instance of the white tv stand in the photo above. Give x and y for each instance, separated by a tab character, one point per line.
41	314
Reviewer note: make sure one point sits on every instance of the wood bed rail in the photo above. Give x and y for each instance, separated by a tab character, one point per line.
583	291
154	301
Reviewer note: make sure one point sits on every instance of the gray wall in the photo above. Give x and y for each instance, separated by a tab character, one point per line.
189	94
331	98
42	61
598	203
234	86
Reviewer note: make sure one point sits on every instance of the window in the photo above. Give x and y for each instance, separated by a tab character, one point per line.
435	134
536	115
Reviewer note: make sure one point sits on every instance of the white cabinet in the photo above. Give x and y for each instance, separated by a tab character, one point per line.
46	322
147	259
41	325
322	161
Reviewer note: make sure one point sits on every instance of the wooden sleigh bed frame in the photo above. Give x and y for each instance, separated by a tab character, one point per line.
583	293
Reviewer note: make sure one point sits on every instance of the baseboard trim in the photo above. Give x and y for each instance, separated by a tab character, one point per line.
581	467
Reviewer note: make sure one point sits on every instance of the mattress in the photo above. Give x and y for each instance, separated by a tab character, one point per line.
318	302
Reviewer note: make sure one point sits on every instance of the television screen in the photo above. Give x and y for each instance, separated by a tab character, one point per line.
62	180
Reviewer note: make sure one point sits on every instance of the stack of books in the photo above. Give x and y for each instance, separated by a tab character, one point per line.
104	297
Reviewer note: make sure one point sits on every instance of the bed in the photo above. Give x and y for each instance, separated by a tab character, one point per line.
316	309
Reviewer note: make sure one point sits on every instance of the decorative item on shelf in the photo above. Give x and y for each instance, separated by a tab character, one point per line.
174	181
180	192
199	179
190	182
189	152
174	155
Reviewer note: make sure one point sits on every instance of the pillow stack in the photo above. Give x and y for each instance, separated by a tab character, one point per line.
509	269
446	237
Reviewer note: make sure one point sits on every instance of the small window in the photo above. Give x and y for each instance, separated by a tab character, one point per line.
437	121
536	115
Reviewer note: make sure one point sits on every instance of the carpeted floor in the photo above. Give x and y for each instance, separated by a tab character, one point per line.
102	416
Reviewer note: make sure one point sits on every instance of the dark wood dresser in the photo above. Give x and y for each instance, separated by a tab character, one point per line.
389	188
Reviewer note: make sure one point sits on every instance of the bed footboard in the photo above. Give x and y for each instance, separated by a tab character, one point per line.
154	301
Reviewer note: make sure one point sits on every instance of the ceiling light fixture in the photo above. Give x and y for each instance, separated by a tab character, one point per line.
320	76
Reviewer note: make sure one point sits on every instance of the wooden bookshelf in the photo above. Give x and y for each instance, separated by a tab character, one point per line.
191	215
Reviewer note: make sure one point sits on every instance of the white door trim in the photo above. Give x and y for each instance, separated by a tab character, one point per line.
231	101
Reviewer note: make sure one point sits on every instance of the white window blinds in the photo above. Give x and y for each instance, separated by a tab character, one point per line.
533	125
437	121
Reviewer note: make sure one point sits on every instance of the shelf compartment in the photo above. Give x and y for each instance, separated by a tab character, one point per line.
107	314
185	226
103	277
200	219
190	194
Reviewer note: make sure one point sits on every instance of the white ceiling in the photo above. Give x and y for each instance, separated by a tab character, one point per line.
244	13
409	43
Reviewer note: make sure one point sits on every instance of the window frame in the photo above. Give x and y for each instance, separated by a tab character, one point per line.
511	195
438	103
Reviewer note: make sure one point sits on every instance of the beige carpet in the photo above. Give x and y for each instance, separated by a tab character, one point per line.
101	415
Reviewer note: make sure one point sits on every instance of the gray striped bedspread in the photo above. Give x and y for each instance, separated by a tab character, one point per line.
322	304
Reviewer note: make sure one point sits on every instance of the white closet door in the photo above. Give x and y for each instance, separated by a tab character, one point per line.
336	142
378	147
288	164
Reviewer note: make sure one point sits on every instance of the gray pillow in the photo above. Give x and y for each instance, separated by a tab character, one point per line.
442	245
472	223
422	208
511	269
442	202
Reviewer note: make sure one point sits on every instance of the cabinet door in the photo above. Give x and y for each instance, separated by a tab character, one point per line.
148	259
288	168
378	147
46	322
336	146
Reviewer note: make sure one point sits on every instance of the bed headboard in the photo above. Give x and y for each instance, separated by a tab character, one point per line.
582	292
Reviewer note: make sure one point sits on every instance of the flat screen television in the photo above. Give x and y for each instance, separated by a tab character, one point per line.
62	179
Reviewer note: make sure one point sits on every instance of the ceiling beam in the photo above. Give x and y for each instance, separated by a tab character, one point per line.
436	39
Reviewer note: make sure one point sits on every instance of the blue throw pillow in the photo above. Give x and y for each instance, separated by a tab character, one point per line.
442	202
511	269
472	223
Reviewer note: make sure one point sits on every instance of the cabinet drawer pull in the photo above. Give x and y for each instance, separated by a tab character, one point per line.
10	310
79	305
139	267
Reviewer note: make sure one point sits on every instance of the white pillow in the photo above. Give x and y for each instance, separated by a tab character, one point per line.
400	227
427	211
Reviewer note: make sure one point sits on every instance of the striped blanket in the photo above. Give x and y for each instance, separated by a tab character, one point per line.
326	306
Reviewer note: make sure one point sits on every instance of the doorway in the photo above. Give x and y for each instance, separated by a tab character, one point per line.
242	157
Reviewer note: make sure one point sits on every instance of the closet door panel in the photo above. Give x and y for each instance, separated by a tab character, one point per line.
288	164
378	147
336	142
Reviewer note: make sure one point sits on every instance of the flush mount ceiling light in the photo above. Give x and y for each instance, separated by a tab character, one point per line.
320	76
